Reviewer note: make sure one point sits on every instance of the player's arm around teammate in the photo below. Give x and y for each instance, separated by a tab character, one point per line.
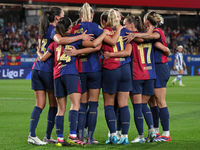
116	80
90	74
94	45
143	76
66	82
152	20
42	77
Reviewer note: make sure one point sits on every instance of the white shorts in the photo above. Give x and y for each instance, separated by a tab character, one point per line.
179	68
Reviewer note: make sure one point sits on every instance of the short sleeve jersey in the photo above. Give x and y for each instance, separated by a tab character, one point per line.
114	63
179	58
143	62
88	62
160	57
63	64
47	65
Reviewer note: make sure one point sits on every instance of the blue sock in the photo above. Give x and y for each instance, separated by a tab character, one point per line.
50	121
138	118
110	118
164	118
124	119
59	120
119	123
87	113
35	116
82	118
73	120
92	118
155	114
147	115
116	109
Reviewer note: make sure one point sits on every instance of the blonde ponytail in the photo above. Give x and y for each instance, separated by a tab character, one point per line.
112	20
154	18
86	12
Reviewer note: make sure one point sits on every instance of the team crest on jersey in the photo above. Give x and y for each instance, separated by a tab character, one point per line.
147	68
83	59
63	65
79	31
188	58
99	27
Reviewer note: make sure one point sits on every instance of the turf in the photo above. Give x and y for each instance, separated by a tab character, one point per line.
17	102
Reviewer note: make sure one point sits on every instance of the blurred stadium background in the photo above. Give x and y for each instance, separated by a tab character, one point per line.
19	28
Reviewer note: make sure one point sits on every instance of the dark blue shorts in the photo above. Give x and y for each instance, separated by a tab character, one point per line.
66	85
144	87
41	80
90	80
162	75
117	80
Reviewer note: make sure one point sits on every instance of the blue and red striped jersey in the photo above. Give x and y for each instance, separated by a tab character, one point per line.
114	63
63	64
160	57
47	65
88	62
143	62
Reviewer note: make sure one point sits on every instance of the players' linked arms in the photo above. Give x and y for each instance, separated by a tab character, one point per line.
39	53
97	41
150	29
152	36
87	37
71	51
113	40
106	55
120	27
43	57
143	36
74	52
120	54
162	48
68	40
167	51
129	37
106	32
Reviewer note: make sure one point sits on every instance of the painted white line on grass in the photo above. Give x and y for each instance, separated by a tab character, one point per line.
185	102
16	98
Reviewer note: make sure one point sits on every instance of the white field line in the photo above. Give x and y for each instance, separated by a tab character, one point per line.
16	98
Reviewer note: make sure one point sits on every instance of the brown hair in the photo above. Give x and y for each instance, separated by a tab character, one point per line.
46	18
137	21
63	25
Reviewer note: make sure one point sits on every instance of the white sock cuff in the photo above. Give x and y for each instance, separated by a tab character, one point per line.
165	133
156	130
113	134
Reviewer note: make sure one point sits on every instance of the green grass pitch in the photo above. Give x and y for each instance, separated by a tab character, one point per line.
17	102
